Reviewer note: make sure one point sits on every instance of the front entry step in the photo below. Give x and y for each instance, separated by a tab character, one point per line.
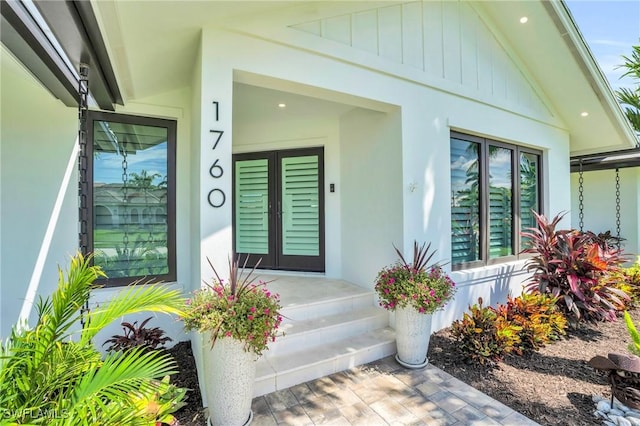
339	328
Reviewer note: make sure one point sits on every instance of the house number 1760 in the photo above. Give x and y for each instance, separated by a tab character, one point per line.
216	196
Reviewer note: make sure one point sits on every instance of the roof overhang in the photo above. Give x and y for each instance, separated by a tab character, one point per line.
553	51
78	40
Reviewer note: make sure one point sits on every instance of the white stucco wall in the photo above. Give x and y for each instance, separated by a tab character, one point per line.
600	204
38	136
371	192
39	213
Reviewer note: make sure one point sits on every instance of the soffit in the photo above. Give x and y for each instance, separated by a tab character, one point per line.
553	51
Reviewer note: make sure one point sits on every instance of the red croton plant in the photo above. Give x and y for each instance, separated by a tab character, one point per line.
570	265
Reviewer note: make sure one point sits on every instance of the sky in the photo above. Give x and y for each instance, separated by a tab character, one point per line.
610	28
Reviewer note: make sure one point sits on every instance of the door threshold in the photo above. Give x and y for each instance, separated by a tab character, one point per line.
288	273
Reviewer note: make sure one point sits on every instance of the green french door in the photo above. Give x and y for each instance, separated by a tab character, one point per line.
279	208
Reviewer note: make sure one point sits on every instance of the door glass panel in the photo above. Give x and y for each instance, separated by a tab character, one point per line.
500	202
300	206
252	206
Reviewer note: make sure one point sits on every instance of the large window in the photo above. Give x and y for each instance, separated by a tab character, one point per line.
131	196
494	188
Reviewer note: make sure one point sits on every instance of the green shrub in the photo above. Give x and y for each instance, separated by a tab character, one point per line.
484	336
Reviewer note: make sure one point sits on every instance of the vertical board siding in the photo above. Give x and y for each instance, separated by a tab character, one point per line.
445	39
469	46
337	29
432	38
390	33
412	49
365	31
451	42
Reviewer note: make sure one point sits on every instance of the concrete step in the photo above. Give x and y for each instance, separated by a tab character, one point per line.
327	329
330	325
276	372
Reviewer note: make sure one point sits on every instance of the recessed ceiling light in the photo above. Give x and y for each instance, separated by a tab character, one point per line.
524	20
282	105
584	113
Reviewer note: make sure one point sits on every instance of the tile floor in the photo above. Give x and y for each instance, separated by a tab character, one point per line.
384	393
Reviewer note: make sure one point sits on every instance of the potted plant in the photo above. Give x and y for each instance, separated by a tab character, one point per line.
414	291
240	316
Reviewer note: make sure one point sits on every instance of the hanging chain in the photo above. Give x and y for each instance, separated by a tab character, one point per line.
581	197
618	207
83	184
125	198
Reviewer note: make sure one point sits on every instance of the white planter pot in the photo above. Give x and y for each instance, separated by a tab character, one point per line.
230	375
413	331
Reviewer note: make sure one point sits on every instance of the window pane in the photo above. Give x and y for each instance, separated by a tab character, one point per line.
500	202
529	191
130	199
465	202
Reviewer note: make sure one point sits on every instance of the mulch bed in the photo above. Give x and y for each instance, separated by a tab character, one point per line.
553	386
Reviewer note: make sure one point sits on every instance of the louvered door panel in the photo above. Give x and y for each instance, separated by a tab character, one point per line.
300	206
252	206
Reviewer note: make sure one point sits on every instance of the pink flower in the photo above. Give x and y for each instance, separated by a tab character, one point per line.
250	317
266	311
228	334
252	309
187	302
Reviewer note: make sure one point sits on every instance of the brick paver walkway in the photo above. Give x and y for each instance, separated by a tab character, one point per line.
384	393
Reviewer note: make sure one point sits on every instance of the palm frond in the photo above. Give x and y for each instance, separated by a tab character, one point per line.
137	297
121	374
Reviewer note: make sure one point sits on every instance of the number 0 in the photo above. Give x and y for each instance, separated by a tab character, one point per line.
210	197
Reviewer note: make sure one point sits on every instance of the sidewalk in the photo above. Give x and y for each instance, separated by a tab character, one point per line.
384	393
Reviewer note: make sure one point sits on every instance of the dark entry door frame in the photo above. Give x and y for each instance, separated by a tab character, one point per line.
276	258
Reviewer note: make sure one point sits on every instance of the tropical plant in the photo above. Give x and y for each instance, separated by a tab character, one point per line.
631	282
568	265
419	284
240	309
538	317
134	335
158	407
485	335
634	346
630	97
52	374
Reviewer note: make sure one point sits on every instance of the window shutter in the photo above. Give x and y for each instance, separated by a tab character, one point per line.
300	206
252	206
